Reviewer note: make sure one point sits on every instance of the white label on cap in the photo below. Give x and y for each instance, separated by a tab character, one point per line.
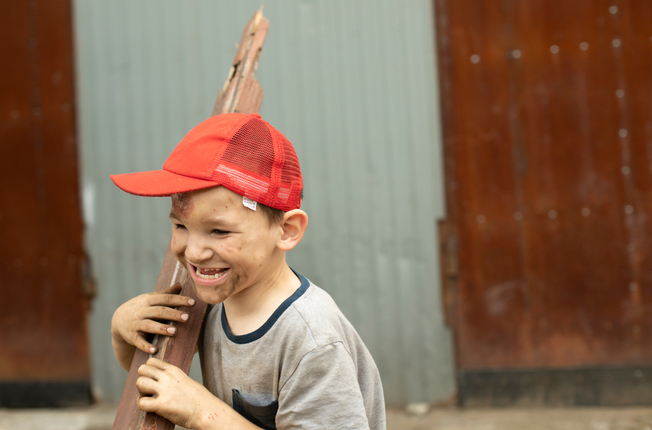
249	203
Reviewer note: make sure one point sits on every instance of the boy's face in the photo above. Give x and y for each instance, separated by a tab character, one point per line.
225	246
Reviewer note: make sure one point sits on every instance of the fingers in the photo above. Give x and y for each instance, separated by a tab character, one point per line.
170	300
147	382
169	297
154	327
164	313
151	369
146	386
149	313
147	404
141	343
155	363
145	327
148	325
172	289
150	374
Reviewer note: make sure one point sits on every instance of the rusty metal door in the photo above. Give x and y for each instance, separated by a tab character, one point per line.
547	249
43	340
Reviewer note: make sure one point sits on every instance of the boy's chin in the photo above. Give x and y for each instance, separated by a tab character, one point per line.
208	295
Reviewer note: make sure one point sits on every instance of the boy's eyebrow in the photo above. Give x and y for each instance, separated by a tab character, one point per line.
222	221
217	220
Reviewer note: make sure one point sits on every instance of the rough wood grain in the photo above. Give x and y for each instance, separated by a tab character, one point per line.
241	93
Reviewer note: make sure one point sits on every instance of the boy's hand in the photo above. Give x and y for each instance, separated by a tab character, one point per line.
136	318
167	391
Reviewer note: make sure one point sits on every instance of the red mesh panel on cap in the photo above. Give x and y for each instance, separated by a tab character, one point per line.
260	163
291	171
252	148
291	182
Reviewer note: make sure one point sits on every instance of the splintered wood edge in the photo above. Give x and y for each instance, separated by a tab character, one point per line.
244	65
225	96
250	65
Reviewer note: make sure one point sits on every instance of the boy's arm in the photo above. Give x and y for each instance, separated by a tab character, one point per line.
136	318
167	391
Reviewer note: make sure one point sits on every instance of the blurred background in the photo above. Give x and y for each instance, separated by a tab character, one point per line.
477	176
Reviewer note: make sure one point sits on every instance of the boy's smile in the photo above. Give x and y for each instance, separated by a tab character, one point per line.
226	247
209	274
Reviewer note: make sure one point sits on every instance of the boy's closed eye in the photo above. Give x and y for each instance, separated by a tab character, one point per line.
217	231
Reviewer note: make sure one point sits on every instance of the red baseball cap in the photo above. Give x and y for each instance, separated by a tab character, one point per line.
241	152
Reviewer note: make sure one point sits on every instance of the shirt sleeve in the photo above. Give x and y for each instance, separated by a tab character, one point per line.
322	393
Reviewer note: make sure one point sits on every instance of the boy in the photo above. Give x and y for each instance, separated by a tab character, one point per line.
275	350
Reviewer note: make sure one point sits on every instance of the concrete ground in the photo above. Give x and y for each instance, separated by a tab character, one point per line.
100	417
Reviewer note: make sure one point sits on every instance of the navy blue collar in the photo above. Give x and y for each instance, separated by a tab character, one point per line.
257	334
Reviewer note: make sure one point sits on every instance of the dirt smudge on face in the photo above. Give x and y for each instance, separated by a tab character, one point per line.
182	204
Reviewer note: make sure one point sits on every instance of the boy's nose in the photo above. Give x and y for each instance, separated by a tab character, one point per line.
197	252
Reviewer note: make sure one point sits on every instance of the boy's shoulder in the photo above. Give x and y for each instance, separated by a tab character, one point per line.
318	316
314	323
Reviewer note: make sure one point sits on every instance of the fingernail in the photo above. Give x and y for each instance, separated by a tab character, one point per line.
184	317
152	350
171	330
191	302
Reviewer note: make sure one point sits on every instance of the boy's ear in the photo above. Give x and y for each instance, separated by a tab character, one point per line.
294	224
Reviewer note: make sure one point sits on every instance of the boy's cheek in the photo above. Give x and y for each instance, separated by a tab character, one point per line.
174	240
176	245
196	291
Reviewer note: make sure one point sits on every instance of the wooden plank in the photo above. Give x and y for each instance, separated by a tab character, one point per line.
177	350
241	93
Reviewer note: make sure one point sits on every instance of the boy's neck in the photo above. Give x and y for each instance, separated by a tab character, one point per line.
248	310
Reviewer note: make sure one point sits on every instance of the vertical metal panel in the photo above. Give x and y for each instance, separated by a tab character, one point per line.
43	334
548	144
352	85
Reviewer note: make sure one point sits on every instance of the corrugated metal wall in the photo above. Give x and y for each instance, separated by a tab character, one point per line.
352	84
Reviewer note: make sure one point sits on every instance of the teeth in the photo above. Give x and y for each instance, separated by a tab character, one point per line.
214	273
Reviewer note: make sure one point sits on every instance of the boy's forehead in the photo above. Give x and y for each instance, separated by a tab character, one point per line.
182	203
218	200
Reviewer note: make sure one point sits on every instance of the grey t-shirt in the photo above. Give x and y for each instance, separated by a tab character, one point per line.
305	368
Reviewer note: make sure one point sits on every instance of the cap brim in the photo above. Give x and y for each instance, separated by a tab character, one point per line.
159	183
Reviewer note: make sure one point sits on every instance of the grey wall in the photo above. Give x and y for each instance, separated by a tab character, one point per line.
352	84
